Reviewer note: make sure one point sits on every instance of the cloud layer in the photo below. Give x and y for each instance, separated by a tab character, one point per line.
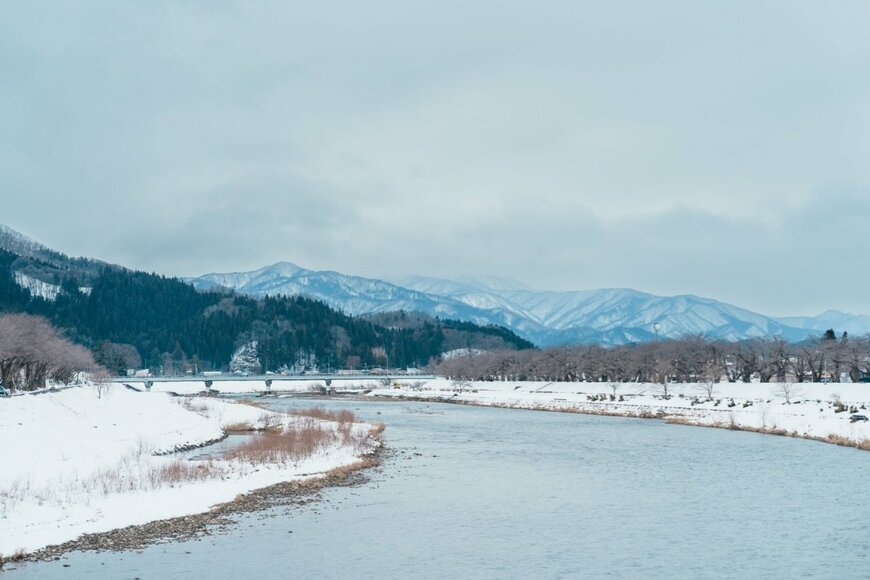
675	147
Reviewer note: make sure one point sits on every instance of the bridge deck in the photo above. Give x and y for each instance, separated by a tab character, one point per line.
273	378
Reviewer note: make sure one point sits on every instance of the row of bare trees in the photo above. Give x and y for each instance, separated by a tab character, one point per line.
692	359
32	352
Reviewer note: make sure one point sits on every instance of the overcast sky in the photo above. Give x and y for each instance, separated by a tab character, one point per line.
712	148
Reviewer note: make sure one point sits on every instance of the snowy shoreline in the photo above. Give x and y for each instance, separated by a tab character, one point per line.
87	460
820	412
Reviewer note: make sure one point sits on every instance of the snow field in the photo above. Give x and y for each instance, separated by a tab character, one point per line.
87	460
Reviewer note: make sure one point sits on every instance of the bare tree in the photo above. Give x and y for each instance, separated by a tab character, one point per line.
710	374
116	357
33	352
814	358
788	391
101	380
614	387
664	367
798	365
461	386
693	359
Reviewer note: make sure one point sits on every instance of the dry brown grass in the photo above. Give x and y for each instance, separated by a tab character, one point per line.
838	439
130	476
318	430
342	416
16	556
846	442
346	471
241	427
183	471
282	445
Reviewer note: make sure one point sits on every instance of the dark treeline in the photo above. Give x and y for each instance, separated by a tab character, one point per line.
695	359
129	319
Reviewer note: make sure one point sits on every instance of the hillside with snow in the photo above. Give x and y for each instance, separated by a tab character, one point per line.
353	295
547	318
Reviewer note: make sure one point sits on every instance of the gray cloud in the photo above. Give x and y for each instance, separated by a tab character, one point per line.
671	147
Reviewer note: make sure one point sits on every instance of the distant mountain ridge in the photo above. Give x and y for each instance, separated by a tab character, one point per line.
857	324
354	295
131	318
547	318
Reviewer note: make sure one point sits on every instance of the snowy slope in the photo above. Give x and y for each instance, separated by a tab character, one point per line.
42	289
18	243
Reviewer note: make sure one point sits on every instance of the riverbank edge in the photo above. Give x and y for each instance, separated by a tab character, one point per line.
651	413
833	439
217	519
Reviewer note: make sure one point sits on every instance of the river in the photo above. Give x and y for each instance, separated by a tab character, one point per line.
470	492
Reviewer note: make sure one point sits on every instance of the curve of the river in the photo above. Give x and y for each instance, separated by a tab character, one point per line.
470	492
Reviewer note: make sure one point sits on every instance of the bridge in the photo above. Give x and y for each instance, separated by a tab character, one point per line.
269	380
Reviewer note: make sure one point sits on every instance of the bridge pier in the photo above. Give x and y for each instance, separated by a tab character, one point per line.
268	384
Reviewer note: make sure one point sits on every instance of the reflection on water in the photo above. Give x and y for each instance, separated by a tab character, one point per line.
492	493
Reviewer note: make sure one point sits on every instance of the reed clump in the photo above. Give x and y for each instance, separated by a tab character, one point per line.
241	427
316	431
338	416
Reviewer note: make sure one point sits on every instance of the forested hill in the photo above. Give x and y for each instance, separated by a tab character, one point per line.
165	323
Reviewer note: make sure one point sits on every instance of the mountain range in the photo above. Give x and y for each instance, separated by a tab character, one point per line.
129	318
607	316
546	318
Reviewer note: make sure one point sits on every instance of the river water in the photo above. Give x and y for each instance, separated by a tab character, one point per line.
469	492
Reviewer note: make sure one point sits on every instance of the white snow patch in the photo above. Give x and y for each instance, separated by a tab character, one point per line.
82	461
43	289
461	353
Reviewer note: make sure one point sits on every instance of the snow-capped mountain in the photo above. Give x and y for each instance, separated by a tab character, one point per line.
353	295
616	316
607	316
251	281
856	324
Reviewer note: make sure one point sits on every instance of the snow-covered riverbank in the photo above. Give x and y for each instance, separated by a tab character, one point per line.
810	410
84	460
